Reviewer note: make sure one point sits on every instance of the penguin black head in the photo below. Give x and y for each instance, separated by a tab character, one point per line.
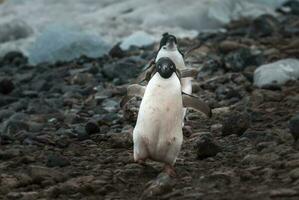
168	42
165	67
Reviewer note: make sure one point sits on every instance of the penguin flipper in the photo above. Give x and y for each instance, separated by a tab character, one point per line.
195	103
189	72
147	73
134	90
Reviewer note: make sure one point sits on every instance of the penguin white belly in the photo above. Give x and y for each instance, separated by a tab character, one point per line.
158	131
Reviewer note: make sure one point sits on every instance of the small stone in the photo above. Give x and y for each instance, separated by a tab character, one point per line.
235	123
6	86
206	147
92	127
55	160
294	127
294	174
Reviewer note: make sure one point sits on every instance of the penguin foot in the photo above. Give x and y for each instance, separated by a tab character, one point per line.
168	169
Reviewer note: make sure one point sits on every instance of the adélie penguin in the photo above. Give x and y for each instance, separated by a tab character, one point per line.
158	132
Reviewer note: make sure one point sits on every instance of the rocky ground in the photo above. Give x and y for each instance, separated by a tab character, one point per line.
64	136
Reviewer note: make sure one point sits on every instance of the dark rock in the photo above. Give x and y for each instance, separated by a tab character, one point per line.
294	126
235	123
116	52
123	70
15	58
264	25
55	160
237	61
293	5
206	147
6	86
92	127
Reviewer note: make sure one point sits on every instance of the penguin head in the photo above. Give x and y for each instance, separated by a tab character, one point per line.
165	67
168	42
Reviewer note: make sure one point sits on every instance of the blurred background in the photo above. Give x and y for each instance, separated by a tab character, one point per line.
39	26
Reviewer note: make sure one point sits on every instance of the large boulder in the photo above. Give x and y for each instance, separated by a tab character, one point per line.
276	73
